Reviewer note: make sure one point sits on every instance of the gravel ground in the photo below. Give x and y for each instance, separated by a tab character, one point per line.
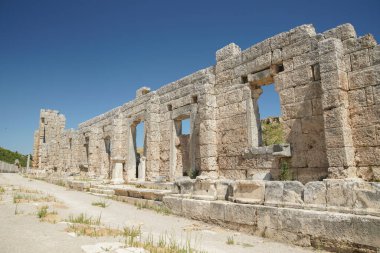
22	231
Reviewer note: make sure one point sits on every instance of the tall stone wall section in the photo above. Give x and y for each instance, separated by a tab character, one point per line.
328	86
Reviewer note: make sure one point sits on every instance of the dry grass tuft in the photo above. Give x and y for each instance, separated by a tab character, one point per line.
92	231
100	203
46	216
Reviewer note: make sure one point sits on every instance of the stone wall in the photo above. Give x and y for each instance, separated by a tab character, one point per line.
333	214
8	168
328	86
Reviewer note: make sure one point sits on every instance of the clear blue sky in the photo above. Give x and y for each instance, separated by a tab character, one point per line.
86	57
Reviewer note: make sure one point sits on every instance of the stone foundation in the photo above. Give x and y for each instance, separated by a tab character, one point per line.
337	215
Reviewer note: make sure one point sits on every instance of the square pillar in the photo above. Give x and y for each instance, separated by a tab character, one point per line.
338	137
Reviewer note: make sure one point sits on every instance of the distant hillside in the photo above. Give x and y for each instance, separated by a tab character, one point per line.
10	157
272	131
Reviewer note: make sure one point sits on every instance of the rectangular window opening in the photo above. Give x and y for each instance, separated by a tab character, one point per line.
269	116
195	99
244	79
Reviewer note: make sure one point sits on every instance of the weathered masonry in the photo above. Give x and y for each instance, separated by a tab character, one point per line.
329	88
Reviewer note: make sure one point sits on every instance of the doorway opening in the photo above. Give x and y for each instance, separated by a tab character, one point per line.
107	144
183	131
138	131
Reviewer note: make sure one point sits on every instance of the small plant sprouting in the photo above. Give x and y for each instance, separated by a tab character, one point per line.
285	174
194	173
230	240
84	219
100	203
42	212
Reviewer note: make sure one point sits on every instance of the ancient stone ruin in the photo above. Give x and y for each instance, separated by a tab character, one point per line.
329	89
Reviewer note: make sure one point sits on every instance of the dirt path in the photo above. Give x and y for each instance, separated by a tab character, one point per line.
22	231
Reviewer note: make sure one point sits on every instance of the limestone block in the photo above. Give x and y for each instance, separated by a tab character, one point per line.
375	55
261	78
331	61
209	163
240	214
360	59
301	32
227	51
204	187
228	63
338	137
262	62
293	193
330	45
366	230
267	221
297	110
341	157
376	173
367	196
364	136
343	32
277	56
218	210
222	188
274	191
365	77
347	62
301	76
307	91
185	185
174	204
370	95
357	98
297	48
315	194
365	173
251	53
353	44
279	41
334	80
287	96
340	193
306	59
248	191
367	156
210	150
196	209
225	76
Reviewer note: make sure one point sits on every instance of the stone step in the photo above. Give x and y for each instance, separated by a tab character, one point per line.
151	194
107	192
152	185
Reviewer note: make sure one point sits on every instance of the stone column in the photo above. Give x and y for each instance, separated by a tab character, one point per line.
131	153
173	150
27	163
208	131
117	172
142	169
117	146
193	117
339	145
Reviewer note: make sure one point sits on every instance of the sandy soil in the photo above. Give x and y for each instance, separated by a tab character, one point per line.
22	231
